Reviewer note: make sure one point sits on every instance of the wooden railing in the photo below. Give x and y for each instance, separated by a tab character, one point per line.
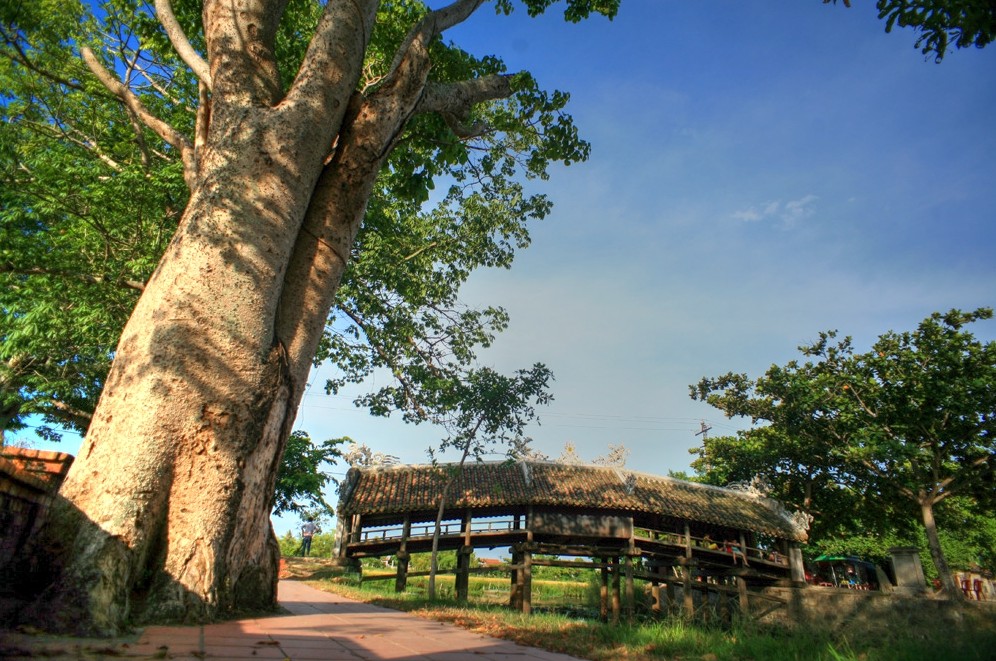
446	529
718	547
700	545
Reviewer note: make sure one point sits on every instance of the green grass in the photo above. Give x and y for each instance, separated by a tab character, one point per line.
668	638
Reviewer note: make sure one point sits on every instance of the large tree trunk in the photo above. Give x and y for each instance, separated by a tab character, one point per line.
165	514
171	494
175	480
936	553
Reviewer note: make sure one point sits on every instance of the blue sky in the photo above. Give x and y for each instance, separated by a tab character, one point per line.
760	171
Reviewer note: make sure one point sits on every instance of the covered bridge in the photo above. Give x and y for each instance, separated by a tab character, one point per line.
624	523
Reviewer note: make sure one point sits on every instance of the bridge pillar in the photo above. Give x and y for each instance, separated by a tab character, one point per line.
742	594
604	592
615	590
526	580
463	572
401	580
655	587
796	566
630	593
687	589
669	595
515	593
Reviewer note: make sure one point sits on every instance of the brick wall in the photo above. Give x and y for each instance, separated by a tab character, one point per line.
29	480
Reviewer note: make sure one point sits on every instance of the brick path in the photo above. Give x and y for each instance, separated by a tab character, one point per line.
321	626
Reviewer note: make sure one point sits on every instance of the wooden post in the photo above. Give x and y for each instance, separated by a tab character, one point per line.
463	573
604	592
796	567
742	593
724	605
527	581
655	589
630	595
401	580
672	599
615	589
686	591
515	595
341	539
466	527
355	535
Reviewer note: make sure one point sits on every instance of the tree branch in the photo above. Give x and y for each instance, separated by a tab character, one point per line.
23	58
164	12
454	101
81	419
125	95
49	130
952	484
7	267
430	27
407	386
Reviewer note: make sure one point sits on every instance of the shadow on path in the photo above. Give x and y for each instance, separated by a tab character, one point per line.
321	626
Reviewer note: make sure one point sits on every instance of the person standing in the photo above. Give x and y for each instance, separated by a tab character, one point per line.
307	532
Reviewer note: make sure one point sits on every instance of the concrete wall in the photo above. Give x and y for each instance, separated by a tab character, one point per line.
868	613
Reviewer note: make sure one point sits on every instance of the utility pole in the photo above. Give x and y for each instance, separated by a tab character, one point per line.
704	433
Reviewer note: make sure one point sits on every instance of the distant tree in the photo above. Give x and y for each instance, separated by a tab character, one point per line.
484	411
910	422
303	477
289	544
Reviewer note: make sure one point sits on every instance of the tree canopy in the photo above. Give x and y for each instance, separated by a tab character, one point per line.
92	198
885	436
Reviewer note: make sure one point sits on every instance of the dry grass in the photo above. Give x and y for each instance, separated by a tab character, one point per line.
674	638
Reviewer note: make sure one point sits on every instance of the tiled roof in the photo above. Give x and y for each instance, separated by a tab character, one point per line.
40	469
399	489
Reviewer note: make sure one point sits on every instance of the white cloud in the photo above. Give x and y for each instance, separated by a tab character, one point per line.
786	213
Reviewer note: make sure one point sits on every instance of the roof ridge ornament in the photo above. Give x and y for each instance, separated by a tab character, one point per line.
525	473
758	488
628	479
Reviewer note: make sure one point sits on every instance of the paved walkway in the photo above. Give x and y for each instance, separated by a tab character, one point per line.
321	626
